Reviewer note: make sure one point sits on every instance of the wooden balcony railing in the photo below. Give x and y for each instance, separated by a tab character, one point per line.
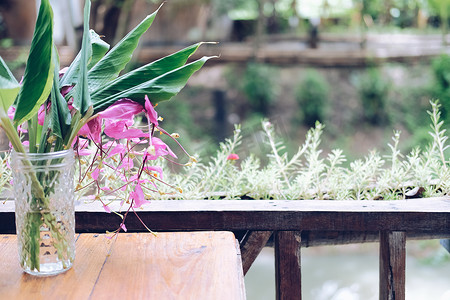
293	224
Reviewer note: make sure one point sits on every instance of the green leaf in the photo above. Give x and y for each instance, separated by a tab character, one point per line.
115	60
8	92
60	117
5	72
145	73
99	49
81	96
9	87
158	89
38	78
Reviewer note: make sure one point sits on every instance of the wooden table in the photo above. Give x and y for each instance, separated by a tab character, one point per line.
178	265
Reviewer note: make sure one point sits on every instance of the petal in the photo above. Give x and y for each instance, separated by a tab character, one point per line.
123	109
41	115
121	130
127	164
233	156
92	130
11	112
157	169
118	149
138	196
151	112
106	208
95	173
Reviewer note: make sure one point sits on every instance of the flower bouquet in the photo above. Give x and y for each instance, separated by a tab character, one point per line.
54	114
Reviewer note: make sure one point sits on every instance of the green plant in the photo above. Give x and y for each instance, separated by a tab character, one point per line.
441	87
373	90
87	99
312	98
310	174
260	86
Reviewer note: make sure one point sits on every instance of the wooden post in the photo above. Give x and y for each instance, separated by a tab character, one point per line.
392	265
287	265
251	246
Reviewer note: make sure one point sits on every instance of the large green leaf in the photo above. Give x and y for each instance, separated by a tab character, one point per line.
158	89
8	92
99	49
80	93
9	87
60	117
145	73
115	60
38	78
5	72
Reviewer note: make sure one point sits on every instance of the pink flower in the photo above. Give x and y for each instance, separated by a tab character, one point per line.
11	112
118	121
92	130
151	112
127	164
121	129
155	169
138	196
233	156
95	173
115	148
123	227
124	109
158	148
106	208
41	114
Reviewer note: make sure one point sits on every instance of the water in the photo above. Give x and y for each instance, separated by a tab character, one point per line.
351	273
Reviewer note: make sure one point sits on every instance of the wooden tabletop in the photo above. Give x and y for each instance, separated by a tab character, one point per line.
178	265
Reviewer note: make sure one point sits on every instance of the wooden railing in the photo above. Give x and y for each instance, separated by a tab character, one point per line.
293	224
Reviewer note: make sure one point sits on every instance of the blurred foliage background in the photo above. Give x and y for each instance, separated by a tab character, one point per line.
362	68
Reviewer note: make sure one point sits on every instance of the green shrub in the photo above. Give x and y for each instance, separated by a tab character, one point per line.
441	86
260	86
373	90
312	97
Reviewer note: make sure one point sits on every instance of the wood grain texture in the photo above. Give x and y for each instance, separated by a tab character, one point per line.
200	265
76	283
392	265
288	279
251	246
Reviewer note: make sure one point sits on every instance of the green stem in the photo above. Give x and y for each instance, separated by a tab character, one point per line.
33	221
11	133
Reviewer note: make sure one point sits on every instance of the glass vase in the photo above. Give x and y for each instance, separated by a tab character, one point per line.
44	208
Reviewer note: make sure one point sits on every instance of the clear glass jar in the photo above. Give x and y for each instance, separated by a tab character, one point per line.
44	208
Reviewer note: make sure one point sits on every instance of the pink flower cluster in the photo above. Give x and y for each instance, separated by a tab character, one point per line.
117	123
116	138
